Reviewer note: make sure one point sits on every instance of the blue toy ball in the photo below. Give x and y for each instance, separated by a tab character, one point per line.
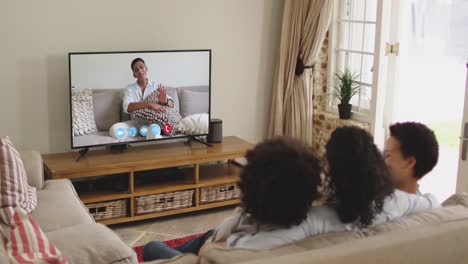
155	129
120	133
132	131
143	131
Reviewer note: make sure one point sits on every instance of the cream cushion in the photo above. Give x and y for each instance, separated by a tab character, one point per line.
58	206
91	243
32	161
196	124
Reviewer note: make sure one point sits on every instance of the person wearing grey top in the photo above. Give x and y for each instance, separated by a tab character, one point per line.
278	185
361	194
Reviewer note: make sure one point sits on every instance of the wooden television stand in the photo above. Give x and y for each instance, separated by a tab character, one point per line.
199	167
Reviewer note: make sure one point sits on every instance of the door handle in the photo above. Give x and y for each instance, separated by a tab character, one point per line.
464	140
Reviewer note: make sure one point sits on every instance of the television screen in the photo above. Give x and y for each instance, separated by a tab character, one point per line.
127	97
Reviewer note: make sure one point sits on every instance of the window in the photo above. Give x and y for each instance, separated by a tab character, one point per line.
352	46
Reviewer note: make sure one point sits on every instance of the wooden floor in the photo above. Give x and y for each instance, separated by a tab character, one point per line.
171	227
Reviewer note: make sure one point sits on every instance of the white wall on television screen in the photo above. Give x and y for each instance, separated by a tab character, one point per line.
112	70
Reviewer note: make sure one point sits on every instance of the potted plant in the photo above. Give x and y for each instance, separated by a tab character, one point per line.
345	88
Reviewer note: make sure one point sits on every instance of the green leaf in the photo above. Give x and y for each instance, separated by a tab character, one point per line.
345	86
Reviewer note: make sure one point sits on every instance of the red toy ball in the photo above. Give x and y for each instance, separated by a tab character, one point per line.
167	129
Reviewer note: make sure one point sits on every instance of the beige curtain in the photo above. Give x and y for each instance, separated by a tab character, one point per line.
305	24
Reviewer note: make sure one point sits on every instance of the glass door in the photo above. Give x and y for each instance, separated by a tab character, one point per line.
462	180
426	79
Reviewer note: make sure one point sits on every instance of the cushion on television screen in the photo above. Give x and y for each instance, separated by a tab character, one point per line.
194	125
151	116
193	103
83	122
170	116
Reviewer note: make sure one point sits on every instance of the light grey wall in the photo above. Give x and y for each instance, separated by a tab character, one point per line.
35	37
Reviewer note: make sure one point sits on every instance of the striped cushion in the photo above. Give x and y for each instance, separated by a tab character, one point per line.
26	242
151	116
14	188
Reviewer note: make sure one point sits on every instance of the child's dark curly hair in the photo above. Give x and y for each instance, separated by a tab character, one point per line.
359	180
279	182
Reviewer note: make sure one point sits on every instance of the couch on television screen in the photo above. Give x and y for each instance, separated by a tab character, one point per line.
107	110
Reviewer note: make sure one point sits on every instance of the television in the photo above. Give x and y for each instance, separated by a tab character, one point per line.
117	98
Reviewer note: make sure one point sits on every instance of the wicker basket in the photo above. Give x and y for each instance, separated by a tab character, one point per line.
108	210
163	202
219	193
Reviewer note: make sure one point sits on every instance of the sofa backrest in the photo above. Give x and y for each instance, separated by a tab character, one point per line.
108	104
190	103
446	243
198	88
33	165
193	100
107	107
454	210
214	254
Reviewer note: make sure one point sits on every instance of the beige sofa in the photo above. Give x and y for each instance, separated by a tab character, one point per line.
436	236
67	223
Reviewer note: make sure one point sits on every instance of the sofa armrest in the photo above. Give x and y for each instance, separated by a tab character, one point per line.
34	168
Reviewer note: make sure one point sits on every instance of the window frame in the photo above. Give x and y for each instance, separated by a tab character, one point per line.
334	38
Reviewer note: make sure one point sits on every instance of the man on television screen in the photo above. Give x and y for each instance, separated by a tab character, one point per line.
136	93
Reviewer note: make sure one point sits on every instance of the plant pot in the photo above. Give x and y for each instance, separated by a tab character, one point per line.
345	111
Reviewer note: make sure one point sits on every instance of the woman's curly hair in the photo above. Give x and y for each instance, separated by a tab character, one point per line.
359	180
279	182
